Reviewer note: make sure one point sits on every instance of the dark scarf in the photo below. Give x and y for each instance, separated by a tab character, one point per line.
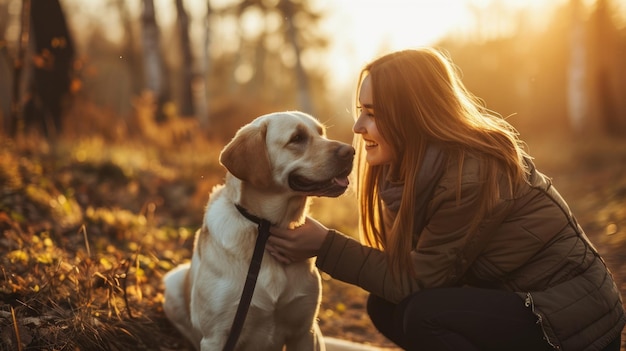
430	172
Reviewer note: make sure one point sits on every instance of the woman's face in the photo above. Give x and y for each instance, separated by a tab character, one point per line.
378	152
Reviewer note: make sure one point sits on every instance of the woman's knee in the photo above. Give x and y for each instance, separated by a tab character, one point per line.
387	317
380	310
423	304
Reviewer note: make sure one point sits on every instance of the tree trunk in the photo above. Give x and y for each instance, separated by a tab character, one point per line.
203	100
16	120
154	71
129	46
52	62
577	71
187	76
607	65
302	80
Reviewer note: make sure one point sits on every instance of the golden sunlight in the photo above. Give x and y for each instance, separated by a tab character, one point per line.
359	30
362	29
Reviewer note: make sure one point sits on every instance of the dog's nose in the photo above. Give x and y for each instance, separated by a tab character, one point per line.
345	151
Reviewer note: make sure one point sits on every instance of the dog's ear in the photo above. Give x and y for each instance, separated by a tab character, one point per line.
246	157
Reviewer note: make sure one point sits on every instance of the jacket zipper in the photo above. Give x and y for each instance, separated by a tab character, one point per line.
529	303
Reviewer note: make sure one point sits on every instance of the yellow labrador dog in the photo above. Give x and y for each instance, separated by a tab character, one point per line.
274	165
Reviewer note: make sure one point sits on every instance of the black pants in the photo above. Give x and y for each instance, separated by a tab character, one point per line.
460	319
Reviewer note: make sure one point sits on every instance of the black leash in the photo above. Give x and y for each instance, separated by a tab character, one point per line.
253	273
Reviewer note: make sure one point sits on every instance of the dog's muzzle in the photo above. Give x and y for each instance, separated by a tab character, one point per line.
330	187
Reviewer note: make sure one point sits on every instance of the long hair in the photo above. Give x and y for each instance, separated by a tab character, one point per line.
419	99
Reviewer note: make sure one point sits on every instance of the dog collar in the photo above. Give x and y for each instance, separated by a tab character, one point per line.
259	221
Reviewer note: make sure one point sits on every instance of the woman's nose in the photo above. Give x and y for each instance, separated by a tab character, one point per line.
358	127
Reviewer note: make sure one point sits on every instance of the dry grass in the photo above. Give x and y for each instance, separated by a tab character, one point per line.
82	274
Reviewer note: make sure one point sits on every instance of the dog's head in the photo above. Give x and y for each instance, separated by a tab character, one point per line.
289	151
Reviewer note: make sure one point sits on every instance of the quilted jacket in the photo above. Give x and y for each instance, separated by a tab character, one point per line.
532	245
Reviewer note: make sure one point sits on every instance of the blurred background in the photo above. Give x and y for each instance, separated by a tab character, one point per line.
117	68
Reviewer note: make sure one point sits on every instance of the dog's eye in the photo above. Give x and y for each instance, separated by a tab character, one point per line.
297	138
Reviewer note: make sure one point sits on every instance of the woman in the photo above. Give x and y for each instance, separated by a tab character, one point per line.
468	246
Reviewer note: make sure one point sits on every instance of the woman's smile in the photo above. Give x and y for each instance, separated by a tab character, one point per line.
378	151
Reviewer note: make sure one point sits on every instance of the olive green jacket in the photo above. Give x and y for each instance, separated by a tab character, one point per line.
531	245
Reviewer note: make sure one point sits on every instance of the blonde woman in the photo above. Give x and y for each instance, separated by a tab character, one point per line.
467	246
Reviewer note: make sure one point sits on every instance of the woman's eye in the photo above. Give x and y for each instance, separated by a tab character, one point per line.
365	111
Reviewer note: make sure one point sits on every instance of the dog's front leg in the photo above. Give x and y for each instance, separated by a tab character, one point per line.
212	343
310	340
214	331
210	323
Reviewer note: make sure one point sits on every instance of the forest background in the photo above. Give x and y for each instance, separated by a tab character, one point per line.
111	123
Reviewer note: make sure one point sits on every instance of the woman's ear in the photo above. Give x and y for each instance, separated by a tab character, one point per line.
246	157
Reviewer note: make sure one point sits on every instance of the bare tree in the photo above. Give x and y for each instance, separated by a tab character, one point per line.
51	63
129	44
276	53
203	105
5	70
577	70
288	9
608	74
187	76
16	120
153	64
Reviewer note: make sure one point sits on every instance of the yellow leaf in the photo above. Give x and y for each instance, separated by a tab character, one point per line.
45	258
184	233
165	265
133	246
140	273
106	264
47	242
18	255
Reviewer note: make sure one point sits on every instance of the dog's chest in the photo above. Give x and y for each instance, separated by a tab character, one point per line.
228	248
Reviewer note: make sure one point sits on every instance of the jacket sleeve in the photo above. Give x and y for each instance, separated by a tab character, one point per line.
439	257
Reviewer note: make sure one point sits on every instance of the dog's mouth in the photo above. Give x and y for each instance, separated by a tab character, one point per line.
332	187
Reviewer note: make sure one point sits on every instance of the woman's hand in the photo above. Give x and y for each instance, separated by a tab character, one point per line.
293	245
